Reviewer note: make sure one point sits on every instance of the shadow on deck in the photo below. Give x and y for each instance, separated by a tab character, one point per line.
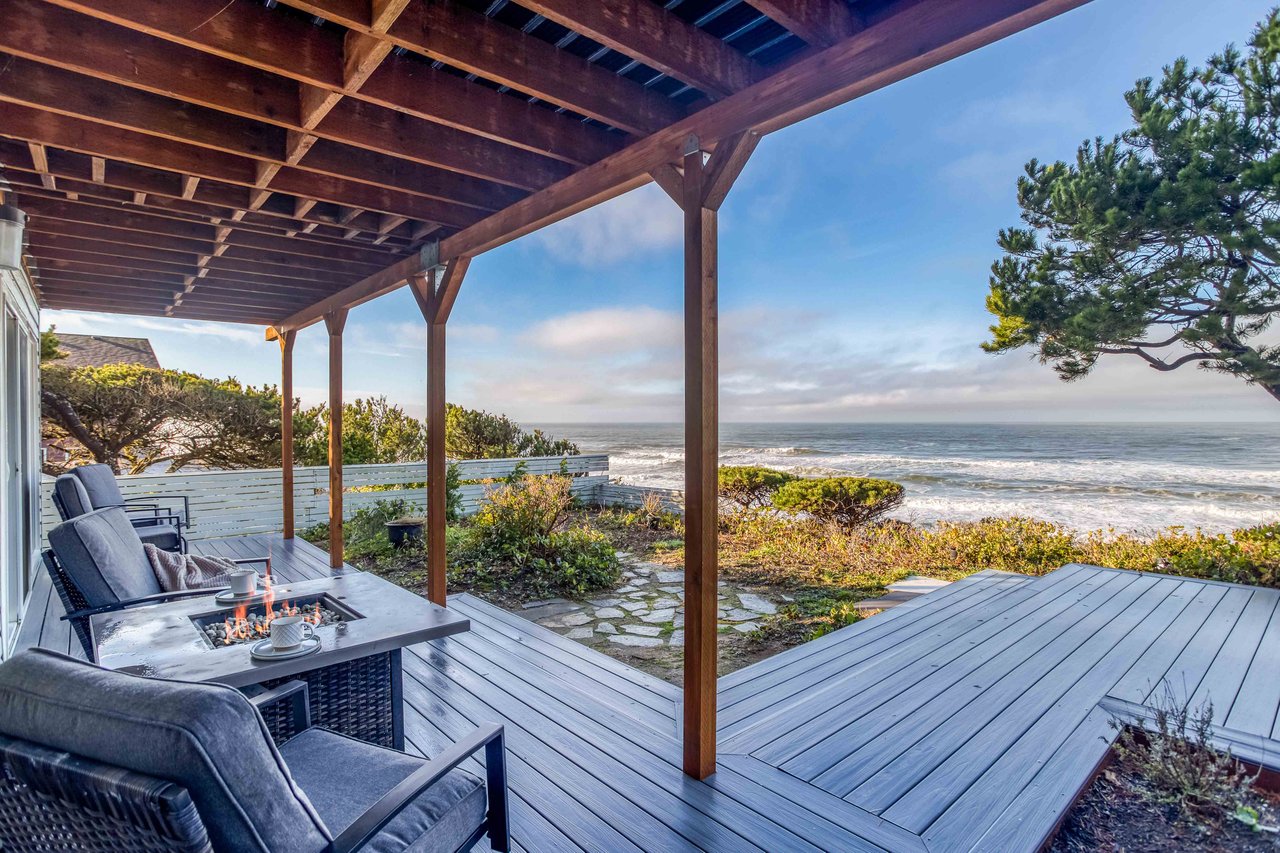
966	719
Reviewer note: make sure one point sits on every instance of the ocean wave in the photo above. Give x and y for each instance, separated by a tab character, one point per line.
975	470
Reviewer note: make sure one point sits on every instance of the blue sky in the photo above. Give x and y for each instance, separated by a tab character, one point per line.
854	258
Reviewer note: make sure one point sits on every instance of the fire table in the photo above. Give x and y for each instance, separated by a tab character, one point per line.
353	680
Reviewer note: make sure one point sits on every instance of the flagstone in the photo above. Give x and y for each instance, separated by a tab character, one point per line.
658	616
741	615
632	640
643	630
756	603
609	613
568	620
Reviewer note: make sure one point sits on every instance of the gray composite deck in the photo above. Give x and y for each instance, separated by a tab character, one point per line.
967	719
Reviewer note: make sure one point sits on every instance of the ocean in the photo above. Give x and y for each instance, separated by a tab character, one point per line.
1130	477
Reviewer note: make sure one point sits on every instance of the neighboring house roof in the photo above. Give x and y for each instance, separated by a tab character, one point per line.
99	350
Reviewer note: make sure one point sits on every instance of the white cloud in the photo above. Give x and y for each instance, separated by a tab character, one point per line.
779	364
642	221
607	331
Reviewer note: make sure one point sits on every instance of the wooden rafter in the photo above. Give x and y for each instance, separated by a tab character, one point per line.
644	30
255	38
821	23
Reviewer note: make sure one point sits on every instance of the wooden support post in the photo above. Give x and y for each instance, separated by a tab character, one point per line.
704	187
286	427
334	321
437	465
435	295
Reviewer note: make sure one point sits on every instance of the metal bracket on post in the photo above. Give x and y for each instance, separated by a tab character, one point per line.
429	258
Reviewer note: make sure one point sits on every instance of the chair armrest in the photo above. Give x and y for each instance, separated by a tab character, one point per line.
182	519
297	694
156	517
378	815
240	561
158	598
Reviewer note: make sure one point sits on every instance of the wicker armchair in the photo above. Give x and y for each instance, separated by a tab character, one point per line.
90	487
97	565
92	759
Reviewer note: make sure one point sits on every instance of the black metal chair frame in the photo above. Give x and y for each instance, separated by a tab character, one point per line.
79	612
159	514
53	800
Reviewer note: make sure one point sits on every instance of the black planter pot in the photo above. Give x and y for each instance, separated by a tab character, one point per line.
403	532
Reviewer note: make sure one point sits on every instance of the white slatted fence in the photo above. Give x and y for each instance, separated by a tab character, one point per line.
233	503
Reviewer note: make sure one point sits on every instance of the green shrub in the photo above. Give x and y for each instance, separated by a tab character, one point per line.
848	501
1179	763
749	485
523	511
774	548
515	541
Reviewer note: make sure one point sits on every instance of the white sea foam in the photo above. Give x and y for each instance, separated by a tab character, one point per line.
1135	478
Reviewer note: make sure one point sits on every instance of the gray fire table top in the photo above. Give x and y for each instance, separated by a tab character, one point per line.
165	640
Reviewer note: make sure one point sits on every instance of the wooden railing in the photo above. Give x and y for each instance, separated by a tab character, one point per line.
232	503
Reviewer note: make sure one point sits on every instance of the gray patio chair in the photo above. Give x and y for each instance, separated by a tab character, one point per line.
97	565
89	487
92	759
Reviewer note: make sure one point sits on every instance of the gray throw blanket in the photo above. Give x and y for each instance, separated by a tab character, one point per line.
187	571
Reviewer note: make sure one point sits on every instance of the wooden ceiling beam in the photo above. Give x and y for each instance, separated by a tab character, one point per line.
201	236
645	31
239	260
140	148
250	37
908	37
376	128
821	23
144	289
450	32
216	199
111	198
217	269
417	89
44	88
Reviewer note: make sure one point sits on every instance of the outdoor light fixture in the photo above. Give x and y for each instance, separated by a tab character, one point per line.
12	224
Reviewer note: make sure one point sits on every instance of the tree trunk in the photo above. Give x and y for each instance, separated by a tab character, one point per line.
67	418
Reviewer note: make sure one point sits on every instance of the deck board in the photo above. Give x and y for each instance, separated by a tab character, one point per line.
966	719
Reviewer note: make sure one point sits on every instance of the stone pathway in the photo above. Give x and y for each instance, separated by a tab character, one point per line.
646	611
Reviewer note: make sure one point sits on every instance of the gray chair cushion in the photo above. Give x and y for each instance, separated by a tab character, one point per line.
73	500
99	482
163	536
103	555
205	737
343	777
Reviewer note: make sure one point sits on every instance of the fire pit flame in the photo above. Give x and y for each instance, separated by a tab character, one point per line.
242	627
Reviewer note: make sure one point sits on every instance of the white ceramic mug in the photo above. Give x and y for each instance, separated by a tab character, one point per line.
287	632
243	581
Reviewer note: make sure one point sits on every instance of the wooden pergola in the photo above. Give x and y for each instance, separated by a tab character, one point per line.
279	162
